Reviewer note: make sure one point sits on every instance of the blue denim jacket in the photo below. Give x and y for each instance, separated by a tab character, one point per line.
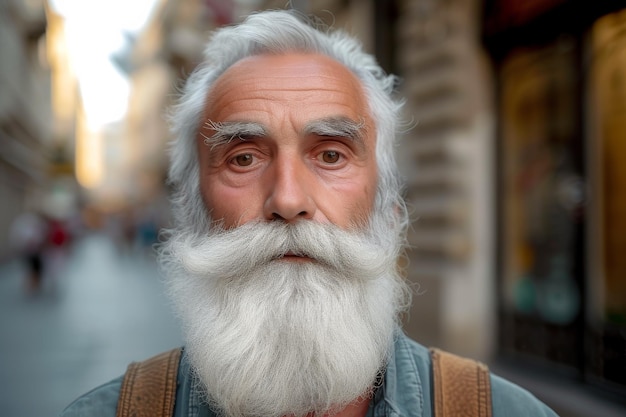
406	392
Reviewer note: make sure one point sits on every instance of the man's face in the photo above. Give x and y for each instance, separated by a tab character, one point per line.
288	137
269	307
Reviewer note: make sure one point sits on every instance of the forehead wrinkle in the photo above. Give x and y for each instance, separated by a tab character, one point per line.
225	95
247	78
321	68
238	77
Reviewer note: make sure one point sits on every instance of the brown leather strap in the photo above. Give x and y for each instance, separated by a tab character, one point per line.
149	387
461	386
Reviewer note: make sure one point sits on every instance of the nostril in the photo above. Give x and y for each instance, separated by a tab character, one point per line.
276	216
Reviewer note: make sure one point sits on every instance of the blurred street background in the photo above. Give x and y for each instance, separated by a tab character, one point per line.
514	152
99	308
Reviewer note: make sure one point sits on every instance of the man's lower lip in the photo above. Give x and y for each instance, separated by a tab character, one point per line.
295	258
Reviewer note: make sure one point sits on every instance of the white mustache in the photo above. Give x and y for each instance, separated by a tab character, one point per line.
230	254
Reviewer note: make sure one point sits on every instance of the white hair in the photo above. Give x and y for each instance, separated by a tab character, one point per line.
280	32
269	338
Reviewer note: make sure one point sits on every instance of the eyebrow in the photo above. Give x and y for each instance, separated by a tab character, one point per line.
226	132
335	126
338	126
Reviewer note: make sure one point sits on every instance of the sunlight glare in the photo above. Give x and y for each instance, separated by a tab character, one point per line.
95	31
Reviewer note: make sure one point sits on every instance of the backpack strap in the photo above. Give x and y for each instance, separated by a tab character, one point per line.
149	387
461	386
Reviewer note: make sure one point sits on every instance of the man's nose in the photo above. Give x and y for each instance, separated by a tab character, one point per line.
289	196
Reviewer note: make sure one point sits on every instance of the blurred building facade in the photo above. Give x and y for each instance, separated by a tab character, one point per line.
163	54
152	81
25	109
40	114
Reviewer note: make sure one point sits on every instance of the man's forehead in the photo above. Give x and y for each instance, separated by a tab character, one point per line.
288	72
315	83
292	64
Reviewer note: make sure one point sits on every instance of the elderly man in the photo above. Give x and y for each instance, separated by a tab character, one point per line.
290	220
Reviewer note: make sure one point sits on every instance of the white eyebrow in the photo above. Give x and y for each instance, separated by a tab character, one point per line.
226	132
339	126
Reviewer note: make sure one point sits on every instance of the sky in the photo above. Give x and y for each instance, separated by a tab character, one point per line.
95	30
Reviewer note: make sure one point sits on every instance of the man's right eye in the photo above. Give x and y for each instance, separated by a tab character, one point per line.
243	160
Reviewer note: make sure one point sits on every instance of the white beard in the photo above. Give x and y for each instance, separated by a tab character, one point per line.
270	337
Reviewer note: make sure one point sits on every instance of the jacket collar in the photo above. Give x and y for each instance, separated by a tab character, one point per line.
402	393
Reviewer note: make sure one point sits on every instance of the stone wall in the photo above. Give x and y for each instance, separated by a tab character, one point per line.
447	158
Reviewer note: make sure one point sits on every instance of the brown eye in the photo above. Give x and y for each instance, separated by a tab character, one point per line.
330	157
243	160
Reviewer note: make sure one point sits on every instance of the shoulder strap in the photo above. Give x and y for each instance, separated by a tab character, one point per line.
461	386
149	387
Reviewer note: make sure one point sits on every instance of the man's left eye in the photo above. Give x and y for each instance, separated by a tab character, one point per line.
243	160
330	157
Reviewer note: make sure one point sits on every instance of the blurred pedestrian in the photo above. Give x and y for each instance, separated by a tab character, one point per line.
28	236
56	248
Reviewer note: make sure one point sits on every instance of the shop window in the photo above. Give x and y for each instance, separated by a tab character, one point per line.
562	176
607	145
541	291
